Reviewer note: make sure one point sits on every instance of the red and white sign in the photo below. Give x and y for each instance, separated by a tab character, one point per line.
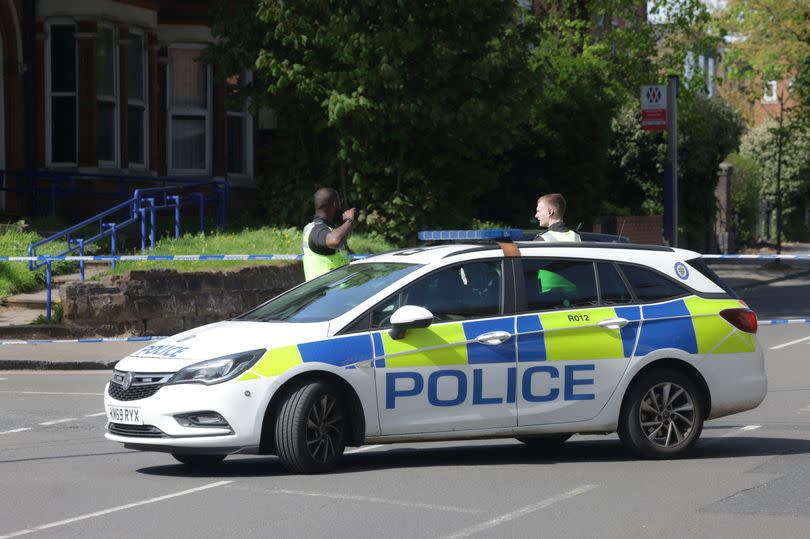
654	108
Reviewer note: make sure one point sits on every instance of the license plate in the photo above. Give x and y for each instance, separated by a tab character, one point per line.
126	416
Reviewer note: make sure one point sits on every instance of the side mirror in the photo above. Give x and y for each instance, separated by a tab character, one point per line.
409	317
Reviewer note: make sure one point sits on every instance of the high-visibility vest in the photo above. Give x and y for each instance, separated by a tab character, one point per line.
552	235
316	264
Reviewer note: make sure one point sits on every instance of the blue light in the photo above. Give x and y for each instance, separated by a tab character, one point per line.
461	235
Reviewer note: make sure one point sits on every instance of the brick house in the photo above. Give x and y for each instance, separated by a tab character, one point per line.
113	87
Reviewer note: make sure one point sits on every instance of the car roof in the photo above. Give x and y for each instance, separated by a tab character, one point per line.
432	254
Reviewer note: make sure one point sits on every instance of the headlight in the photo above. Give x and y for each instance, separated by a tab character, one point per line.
214	371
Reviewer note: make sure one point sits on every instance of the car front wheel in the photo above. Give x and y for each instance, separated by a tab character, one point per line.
663	415
310	428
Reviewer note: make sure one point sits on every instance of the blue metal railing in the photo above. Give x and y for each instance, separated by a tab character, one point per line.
142	206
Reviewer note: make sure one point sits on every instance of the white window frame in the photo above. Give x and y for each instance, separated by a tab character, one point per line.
144	104
185	111
114	99
771	88
50	94
247	176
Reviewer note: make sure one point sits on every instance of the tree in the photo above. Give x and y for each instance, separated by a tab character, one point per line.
417	100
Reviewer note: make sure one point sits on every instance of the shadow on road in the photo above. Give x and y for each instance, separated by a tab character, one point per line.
492	455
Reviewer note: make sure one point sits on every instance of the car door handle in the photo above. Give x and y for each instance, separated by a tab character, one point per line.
493	338
612	323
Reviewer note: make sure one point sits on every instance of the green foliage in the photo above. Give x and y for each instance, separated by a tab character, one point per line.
746	188
264	240
15	277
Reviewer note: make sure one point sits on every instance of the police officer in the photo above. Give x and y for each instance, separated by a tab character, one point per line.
325	243
550	212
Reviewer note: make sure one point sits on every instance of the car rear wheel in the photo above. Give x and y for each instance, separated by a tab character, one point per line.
310	428
199	461
544	443
663	415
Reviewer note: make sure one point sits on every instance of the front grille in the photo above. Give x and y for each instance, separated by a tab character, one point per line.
138	431
118	392
143	385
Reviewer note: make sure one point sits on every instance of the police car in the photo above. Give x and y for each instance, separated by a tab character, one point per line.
463	340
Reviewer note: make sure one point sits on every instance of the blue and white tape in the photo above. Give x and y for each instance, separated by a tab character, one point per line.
94	340
152	258
757	257
780	322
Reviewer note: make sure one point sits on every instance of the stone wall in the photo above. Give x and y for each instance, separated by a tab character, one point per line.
164	301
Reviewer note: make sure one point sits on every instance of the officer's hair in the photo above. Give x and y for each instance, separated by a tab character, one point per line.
324	197
556	201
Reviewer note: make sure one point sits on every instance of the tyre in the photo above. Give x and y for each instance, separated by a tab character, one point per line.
662	416
547	443
199	461
310	428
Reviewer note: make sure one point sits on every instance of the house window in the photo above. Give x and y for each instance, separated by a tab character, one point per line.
106	96
240	127
62	131
770	92
189	111
136	100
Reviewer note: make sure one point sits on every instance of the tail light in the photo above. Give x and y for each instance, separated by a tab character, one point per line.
742	319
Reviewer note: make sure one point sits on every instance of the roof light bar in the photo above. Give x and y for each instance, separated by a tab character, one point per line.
462	235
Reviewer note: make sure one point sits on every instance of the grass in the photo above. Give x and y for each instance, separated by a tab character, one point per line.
15	277
264	240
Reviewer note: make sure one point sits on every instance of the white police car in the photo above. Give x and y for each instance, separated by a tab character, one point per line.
532	340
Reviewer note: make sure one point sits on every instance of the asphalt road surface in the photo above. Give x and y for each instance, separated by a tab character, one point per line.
749	476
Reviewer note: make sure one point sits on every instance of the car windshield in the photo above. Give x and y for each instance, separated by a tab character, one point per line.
331	294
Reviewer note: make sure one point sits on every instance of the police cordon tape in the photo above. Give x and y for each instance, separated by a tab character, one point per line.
148	339
157	258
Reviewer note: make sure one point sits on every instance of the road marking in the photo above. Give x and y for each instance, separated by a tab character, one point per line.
735	432
497	521
750	427
51	393
57	421
3	378
364	448
113	510
12	431
401	503
96	415
797	341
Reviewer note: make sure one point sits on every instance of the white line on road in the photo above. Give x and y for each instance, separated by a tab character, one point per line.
3	378
113	510
401	503
57	421
497	521
750	427
731	434
12	431
364	448
51	393
96	415
797	341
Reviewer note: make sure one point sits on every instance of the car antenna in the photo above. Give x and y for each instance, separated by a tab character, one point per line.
622	228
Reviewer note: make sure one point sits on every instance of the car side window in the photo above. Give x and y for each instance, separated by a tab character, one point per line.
612	288
558	284
649	285
471	290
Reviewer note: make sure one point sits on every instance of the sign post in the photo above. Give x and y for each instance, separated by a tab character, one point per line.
659	112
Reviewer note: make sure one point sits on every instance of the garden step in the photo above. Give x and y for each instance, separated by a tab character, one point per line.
34	300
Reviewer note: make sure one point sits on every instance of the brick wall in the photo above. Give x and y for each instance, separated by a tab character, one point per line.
647	229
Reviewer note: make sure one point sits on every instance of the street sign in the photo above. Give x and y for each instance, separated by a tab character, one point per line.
654	108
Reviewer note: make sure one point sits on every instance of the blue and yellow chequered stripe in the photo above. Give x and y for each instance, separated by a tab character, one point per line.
692	324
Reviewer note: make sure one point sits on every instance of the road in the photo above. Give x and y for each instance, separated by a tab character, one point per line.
749	476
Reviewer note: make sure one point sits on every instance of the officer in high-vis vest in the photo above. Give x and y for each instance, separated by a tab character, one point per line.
325	243
550	213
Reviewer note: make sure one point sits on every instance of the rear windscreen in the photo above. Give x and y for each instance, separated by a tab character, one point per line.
700	265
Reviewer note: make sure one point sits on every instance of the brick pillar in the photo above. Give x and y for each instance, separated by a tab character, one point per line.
86	42
722	240
124	42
